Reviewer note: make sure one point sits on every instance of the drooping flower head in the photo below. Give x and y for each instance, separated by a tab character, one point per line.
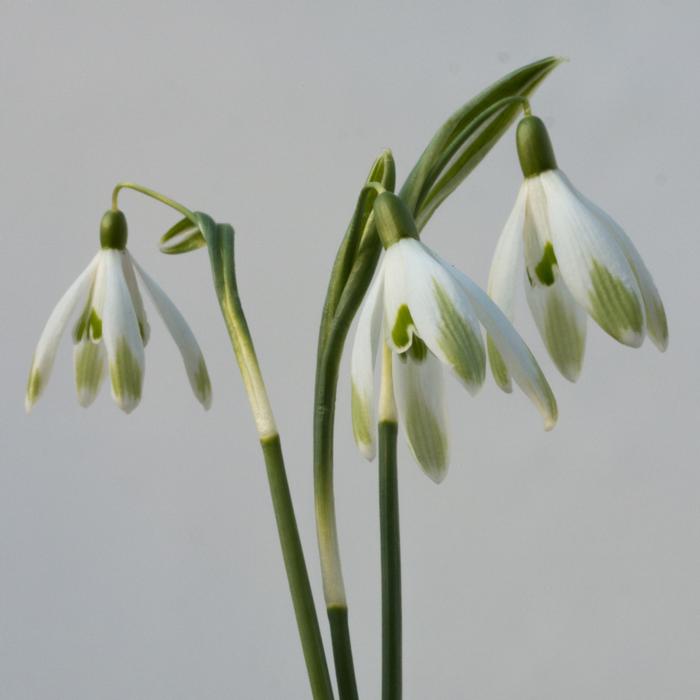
429	314
578	263
111	329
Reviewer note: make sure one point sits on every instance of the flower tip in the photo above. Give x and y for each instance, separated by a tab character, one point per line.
35	386
549	423
661	343
436	473
368	451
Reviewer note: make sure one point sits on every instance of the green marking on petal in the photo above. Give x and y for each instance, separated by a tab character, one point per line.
563	338
201	381
403	327
418	350
35	385
427	439
94	327
125	374
544	268
615	307
89	369
463	348
498	366
361	417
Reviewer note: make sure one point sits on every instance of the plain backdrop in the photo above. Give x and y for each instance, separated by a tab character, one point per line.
138	555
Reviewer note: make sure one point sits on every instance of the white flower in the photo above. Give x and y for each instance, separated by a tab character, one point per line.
578	262
112	329
429	313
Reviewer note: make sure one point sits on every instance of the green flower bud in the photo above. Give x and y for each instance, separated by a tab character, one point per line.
113	230
394	220
534	147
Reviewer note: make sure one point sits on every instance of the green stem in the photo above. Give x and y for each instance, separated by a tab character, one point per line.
297	574
342	652
220	245
391	561
153	194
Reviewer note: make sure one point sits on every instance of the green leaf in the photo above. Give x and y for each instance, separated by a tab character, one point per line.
382	172
467	136
188	238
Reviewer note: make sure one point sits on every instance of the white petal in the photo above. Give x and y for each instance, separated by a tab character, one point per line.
505	267
398	324
442	314
362	363
45	352
419	396
560	320
120	330
507	257
515	353
128	266
653	306
592	262
182	335
89	360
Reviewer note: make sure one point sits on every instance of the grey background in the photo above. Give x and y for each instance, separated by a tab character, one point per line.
138	556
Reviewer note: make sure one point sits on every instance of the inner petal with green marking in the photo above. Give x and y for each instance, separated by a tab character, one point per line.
125	373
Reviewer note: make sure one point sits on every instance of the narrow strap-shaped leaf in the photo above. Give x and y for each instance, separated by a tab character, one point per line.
382	172
520	82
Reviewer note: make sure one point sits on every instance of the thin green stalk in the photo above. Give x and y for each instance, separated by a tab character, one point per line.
154	195
389	537
391	562
220	245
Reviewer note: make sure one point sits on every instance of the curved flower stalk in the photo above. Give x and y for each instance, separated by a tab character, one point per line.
430	315
112	329
578	263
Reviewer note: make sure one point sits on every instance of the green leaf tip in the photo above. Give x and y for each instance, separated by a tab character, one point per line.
188	238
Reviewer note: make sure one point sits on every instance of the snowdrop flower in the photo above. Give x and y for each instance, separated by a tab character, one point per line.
112	328
429	314
578	262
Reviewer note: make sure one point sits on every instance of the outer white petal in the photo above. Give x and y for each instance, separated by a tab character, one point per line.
507	258
89	359
505	267
592	263
362	363
516	355
560	320
653	306
443	314
130	277
420	401
182	335
45	352
120	331
398	325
